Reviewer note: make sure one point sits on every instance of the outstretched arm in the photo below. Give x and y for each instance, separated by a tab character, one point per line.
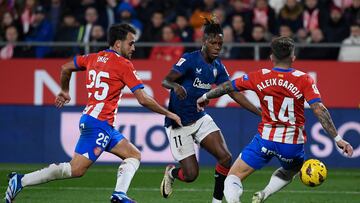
63	97
324	117
148	102
169	83
244	102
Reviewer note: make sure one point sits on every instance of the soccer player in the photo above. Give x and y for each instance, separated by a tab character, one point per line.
282	91
189	78
107	73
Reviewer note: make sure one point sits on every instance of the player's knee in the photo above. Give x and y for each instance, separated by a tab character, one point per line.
77	172
190	175
283	174
225	160
232	189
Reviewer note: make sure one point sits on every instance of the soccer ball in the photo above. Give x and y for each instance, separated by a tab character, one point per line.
313	172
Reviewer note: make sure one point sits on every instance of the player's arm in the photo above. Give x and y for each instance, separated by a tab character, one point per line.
66	70
327	123
224	88
169	82
244	102
150	103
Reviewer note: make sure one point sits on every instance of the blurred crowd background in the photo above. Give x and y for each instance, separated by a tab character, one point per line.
324	29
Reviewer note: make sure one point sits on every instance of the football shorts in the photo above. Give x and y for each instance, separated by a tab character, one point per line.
260	151
96	136
182	139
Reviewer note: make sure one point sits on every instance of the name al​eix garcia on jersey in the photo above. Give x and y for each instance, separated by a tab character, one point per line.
282	83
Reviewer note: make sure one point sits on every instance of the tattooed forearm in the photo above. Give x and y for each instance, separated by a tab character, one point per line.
168	84
224	88
324	118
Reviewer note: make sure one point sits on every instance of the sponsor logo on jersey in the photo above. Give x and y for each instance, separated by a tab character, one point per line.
199	84
102	59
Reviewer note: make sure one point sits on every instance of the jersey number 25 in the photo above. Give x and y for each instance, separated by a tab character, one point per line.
95	80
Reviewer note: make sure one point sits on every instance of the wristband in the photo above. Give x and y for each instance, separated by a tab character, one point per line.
337	138
204	97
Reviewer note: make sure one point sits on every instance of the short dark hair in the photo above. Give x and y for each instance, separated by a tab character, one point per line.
119	32
282	48
211	27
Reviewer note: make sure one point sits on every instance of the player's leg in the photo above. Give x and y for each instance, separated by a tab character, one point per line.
182	149
292	157
131	156
215	144
251	158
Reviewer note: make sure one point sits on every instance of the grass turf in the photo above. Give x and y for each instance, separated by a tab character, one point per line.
342	185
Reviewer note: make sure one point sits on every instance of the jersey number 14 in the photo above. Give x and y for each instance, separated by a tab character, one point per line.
287	105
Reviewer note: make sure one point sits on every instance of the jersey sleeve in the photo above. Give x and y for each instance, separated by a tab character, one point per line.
223	75
245	82
182	65
81	61
130	78
310	91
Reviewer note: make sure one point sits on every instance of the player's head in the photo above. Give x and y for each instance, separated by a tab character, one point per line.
212	39
282	49
121	37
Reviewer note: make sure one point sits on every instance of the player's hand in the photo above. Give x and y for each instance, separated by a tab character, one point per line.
174	117
346	147
201	103
62	98
180	92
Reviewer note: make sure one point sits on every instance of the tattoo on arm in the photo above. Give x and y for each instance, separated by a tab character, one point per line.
224	88
168	84
324	118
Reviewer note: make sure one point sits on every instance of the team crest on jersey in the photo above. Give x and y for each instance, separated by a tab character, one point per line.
97	151
215	72
198	70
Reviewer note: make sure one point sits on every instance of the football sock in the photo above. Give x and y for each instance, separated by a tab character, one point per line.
279	179
177	173
53	172
233	188
220	175
125	174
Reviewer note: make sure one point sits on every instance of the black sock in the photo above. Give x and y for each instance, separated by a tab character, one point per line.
219	186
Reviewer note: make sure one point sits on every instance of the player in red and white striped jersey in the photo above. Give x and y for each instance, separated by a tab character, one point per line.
107	73
282	91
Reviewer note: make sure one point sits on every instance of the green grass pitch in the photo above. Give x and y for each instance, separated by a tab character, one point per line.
97	185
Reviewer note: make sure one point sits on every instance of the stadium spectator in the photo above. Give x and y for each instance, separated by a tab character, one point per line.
285	31
183	29
277	5
258	36
27	15
238	7
228	40
264	15
126	14
67	32
40	31
220	15
167	53
7	19
313	16
108	14
348	53
145	9
10	50
336	29
241	35
97	36
91	18
316	37
54	13
291	15
203	10
352	14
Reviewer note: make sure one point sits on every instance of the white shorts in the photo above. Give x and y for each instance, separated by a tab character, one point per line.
182	139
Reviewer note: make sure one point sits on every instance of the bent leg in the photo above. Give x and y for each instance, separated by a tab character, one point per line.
188	170
131	161
215	144
233	188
